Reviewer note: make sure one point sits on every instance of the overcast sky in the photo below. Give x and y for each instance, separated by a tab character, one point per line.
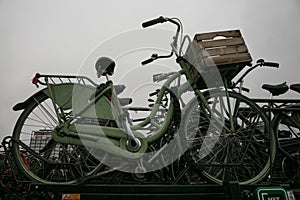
56	36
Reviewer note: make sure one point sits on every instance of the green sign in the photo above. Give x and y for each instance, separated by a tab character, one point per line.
273	193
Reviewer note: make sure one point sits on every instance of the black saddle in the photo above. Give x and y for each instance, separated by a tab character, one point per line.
295	87
276	90
105	66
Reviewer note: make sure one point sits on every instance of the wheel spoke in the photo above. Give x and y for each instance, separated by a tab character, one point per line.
242	150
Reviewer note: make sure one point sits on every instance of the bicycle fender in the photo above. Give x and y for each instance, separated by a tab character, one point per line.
22	105
62	94
73	96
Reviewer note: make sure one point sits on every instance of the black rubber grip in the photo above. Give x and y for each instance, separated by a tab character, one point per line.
271	64
153	22
145	62
154	93
246	89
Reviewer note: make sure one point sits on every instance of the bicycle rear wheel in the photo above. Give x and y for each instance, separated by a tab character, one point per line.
287	129
240	150
38	156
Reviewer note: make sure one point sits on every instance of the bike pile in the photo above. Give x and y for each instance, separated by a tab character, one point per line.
75	131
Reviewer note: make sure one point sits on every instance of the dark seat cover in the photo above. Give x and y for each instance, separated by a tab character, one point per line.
276	90
105	66
295	87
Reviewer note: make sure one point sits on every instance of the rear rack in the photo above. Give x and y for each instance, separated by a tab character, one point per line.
58	79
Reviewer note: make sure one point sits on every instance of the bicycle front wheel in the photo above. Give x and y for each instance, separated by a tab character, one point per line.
233	140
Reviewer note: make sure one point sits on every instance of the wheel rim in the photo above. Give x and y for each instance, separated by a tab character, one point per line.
243	154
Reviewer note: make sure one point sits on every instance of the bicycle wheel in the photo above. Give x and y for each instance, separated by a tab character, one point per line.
233	140
287	129
39	156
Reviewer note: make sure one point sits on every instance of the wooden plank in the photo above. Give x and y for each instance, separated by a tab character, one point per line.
222	59
212	35
227	50
232	59
222	42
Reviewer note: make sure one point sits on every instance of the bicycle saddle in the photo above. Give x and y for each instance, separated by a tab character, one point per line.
295	87
105	66
276	90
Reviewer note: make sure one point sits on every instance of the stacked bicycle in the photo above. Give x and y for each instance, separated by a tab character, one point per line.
74	130
284	115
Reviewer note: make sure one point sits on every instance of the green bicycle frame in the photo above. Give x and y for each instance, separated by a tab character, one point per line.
111	139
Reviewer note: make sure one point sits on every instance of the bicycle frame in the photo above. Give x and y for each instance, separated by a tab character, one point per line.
104	134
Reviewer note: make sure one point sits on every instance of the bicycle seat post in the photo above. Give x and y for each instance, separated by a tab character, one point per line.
270	96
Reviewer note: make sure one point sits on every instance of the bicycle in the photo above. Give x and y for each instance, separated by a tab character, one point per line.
284	118
88	134
13	184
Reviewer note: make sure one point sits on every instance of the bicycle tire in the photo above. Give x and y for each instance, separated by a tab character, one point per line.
60	163
287	131
243	155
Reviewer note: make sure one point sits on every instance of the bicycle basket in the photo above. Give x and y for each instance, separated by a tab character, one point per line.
225	49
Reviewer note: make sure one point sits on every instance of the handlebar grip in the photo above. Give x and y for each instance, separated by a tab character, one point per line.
153	22
145	62
246	89
271	64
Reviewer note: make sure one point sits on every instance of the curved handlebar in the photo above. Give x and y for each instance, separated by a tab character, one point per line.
152	22
151	59
145	62
174	44
271	64
154	57
261	62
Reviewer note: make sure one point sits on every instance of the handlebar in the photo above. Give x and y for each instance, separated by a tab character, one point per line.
152	22
259	63
162	19
145	62
153	57
271	64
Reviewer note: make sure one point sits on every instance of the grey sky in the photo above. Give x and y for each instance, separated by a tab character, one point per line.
56	36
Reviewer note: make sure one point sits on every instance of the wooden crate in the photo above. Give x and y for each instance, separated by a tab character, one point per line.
225	49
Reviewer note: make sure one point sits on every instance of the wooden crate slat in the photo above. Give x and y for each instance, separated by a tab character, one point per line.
221	59
222	42
232	59
227	50
212	35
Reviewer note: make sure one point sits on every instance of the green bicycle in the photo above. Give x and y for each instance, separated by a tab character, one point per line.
75	130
